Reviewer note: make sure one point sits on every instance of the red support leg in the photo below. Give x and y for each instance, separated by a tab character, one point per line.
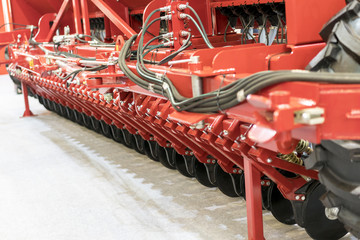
253	201
27	112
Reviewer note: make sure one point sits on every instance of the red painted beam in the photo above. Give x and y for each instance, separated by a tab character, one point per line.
114	17
85	17
64	7
77	16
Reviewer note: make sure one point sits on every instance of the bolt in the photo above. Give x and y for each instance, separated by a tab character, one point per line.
262	182
214	161
332	213
297	197
151	138
168	145
234	171
225	132
303	198
208	161
191	153
269	160
267	183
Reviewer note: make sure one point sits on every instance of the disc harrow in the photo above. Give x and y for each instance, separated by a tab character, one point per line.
219	95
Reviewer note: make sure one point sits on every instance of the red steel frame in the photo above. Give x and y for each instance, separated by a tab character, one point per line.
151	116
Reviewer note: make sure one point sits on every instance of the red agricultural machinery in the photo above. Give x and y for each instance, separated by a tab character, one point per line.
260	98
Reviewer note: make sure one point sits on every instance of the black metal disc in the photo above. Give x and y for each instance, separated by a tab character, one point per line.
96	125
226	181
279	206
169	156
70	114
50	105
106	131
265	197
86	121
202	173
164	157
117	134
316	224
151	150
182	164
78	117
129	140
63	112
46	103
241	190
56	107
139	144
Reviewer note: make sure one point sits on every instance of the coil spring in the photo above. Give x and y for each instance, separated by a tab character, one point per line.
304	147
291	157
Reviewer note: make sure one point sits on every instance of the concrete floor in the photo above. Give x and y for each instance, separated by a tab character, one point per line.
62	181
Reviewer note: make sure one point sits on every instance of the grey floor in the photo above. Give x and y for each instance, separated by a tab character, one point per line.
61	181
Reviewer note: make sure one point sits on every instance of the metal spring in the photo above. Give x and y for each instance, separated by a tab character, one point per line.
304	146
291	157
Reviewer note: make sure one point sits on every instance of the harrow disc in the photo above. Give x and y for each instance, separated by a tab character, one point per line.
78	118
279	206
87	121
151	149
129	140
49	104
139	144
63	110
316	224
106	131
70	114
117	134
183	164
226	182
96	125
164	155
204	173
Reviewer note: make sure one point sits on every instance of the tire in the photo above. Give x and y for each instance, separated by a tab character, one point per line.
342	34
341	54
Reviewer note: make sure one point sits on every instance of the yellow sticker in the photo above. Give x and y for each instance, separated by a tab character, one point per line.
31	64
117	47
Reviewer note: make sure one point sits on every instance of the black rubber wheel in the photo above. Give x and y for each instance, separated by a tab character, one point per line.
225	181
341	54
316	224
280	207
165	157
202	174
182	164
139	144
106	130
96	125
117	134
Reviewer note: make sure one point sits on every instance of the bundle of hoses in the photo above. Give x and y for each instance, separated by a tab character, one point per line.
233	93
